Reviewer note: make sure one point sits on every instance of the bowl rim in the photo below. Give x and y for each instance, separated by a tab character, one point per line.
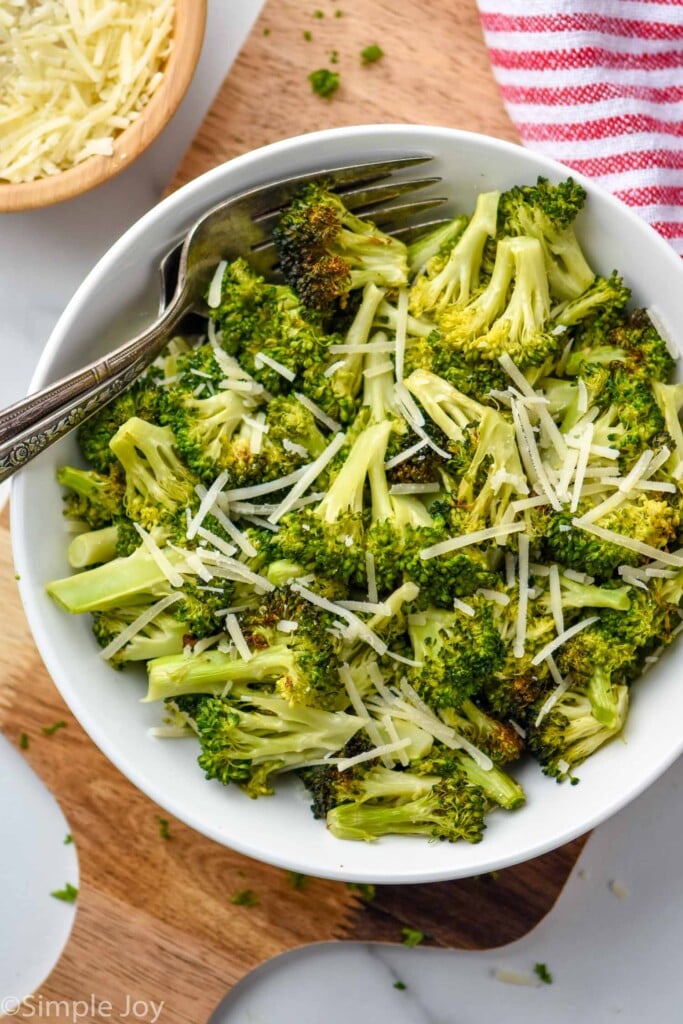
50	653
188	35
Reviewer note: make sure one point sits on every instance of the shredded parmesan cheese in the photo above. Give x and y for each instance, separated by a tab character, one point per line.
237	637
305	479
172	575
630	544
552	646
213	299
316	411
466	539
523	599
74	75
373	593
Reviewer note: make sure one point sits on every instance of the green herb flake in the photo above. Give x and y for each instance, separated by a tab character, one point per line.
308	36
50	730
318	14
68	894
17	576
68	839
324	82
339	14
411	937
297	880
334	57
543	973
266	31
163	828
400	985
371	54
245	898
23	740
365	890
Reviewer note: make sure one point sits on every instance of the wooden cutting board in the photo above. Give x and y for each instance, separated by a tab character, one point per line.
155	918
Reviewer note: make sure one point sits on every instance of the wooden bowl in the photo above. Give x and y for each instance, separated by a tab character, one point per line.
188	34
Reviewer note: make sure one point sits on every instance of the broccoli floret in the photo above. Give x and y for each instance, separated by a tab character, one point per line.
456	652
488	450
302	665
289	422
94	435
203	427
336	392
633	421
497	320
669	398
326	252
600	307
329	539
570	732
498	788
648	520
94	498
158	485
443	806
498	740
454	277
547	213
585	595
247	739
163	636
635	342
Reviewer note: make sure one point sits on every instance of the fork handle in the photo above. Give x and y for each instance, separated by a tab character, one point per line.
29	411
36	422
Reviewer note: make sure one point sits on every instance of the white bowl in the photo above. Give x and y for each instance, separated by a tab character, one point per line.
119	296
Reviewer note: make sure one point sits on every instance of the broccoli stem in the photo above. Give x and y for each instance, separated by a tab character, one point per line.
603	698
367	822
421	251
93	547
115	584
497	785
582	595
210	671
346	492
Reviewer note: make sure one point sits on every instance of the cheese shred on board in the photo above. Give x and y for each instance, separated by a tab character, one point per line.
73	76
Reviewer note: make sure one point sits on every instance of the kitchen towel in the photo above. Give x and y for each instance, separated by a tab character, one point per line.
599	86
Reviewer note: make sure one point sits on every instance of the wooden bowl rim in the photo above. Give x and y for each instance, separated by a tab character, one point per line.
188	35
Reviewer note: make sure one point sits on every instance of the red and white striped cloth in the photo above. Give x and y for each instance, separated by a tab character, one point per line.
598	84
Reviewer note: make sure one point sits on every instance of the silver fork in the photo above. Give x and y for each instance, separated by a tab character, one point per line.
241	225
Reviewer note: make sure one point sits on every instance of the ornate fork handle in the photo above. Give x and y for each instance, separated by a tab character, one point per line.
30	426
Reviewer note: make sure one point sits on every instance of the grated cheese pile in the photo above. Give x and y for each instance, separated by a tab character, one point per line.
74	74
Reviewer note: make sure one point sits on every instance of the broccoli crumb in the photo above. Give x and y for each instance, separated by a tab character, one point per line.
17	575
163	828
365	890
307	35
266	31
50	730
400	985
297	880
68	839
411	937
334	57
371	54
339	14
245	898
543	973
68	894
324	82
318	14
23	740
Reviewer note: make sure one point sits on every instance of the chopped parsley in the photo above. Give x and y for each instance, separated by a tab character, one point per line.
266	31
68	839
371	54
543	973
324	82
297	880
400	985
334	57
365	890
339	14
163	828
23	740
318	14
308	36
411	937
67	895
50	730
245	898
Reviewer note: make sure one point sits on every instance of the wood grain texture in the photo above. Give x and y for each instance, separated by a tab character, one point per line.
154	916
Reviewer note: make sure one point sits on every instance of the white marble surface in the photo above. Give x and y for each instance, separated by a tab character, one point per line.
613	957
